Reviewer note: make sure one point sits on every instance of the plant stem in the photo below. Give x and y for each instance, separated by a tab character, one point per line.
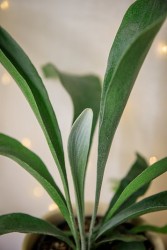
82	234
68	200
93	222
74	229
81	217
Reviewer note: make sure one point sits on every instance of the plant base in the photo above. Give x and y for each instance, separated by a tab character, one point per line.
51	243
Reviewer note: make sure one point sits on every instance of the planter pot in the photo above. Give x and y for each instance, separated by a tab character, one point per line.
56	218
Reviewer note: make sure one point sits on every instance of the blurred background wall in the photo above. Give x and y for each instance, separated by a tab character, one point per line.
76	36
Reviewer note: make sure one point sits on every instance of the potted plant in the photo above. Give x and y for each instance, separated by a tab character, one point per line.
116	229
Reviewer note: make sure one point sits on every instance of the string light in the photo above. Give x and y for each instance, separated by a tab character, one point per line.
152	160
52	207
6	79
4	5
162	48
26	142
38	192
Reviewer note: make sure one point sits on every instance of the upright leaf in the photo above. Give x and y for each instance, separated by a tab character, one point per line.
141	180
131	45
137	168
157	202
13	149
24	223
21	69
78	148
85	91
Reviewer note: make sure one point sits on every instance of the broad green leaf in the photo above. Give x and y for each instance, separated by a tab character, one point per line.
85	91
140	25
24	223
137	168
147	228
23	72
122	237
141	180
21	69
78	148
13	149
153	203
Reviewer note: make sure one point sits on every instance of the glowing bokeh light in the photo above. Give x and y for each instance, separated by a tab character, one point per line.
6	79
4	5
52	207
26	142
38	192
162	48
152	160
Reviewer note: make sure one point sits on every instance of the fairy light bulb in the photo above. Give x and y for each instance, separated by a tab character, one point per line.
6	79
4	5
52	207
162	48
26	142
38	192
152	160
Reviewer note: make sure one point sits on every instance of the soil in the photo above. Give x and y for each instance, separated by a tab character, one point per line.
45	242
